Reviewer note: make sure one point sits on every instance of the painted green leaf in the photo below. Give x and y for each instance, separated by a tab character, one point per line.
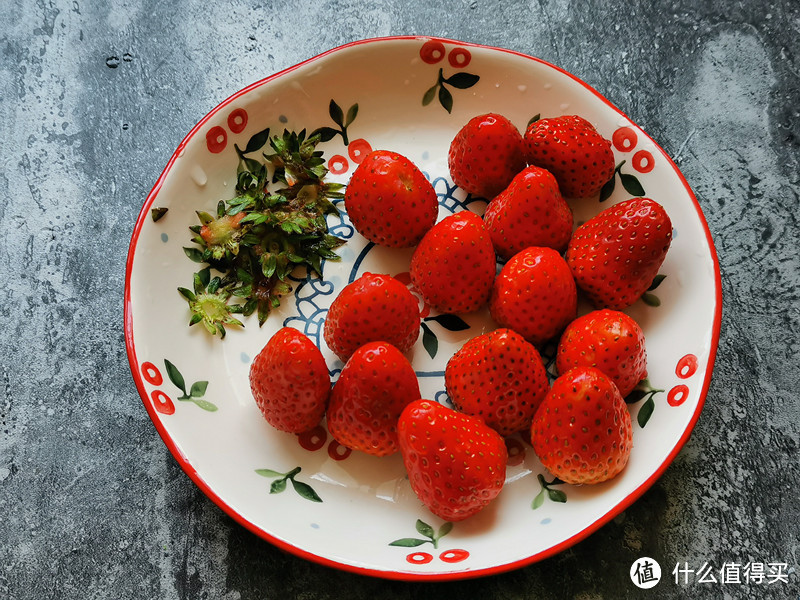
277	486
446	99
175	376
635	396
429	341
335	111
409	542
198	389
446	528
538	501
429	95
269	473
257	141
556	495
351	115
306	491
608	188
645	412
631	184
651	299
205	404
462	81
424	529
656	282
450	322
326	134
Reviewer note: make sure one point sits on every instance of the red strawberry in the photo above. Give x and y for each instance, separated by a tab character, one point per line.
389	200
454	265
608	340
485	155
373	389
615	255
372	308
498	377
582	431
529	212
535	295
290	381
456	464
572	150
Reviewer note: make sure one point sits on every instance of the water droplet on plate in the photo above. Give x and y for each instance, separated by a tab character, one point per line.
199	175
548	86
522	88
564	106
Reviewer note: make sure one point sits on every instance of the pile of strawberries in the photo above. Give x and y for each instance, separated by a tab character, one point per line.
579	426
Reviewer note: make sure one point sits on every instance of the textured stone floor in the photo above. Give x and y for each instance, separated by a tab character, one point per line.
94	97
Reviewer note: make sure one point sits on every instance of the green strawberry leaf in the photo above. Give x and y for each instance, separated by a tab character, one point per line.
257	141
539	500
305	491
450	322
175	376
198	389
157	213
429	341
656	282
194	254
462	81
269	473
631	184
409	542
645	412
446	99
424	529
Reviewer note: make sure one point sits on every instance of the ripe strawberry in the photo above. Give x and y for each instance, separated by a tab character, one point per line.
456	464
615	255
454	265
485	155
608	340
582	431
373	389
534	295
572	150
372	308
498	377
389	200
290	381
529	212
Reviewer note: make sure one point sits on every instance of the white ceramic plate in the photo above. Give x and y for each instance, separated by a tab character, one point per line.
369	520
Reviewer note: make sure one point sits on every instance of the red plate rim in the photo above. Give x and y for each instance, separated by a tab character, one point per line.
406	575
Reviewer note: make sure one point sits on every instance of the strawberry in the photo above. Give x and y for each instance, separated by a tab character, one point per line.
572	150
615	255
498	377
290	381
454	265
582	431
534	295
529	212
456	464
373	389
374	307
389	200
608	340
485	155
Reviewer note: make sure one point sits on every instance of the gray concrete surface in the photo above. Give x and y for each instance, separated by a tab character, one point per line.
94	97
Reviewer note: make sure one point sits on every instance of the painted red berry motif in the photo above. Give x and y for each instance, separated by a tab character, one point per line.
678	395
485	155
529	212
535	295
338	451
313	439
375	307
643	161
337	164
358	150
162	403
376	384
456	464
686	367
615	256
432	51
216	139
498	377
573	151
609	340
237	120
459	57
290	382
624	139
151	374
419	558
516	452
582	431
389	200
453	267
454	556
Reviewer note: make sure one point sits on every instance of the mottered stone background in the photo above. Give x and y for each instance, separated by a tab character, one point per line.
94	97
